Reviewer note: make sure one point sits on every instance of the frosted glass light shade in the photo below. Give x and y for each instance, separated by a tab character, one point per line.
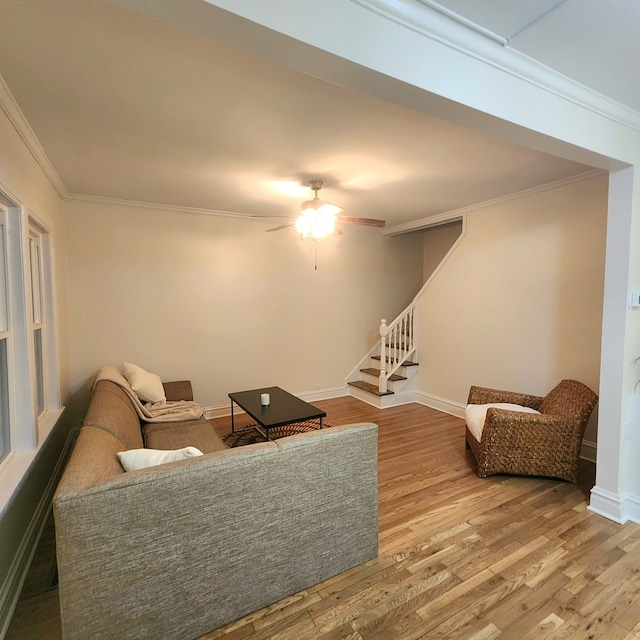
316	225
320	206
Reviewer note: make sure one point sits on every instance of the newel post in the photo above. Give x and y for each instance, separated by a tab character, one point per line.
382	380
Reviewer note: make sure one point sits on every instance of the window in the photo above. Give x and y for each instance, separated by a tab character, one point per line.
43	364
5	425
29	391
36	328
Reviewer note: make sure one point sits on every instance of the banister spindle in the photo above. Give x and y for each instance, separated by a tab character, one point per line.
411	328
396	345
382	380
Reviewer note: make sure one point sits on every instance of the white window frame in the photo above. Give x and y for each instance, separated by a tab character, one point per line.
5	338
42	318
23	427
27	429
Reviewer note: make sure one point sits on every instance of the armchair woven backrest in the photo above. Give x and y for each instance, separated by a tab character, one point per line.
570	398
531	444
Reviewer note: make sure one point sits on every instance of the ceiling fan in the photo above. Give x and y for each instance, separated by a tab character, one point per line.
318	218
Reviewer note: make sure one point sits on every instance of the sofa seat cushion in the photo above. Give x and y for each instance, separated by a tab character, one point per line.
176	435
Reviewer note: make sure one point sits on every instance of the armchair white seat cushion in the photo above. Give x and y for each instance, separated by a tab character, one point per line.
475	414
532	444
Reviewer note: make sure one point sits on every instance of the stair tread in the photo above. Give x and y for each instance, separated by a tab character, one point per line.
376	372
406	363
370	388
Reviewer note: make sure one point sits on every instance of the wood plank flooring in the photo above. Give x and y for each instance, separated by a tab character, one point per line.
460	557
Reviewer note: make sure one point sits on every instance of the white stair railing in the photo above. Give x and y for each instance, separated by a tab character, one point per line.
396	345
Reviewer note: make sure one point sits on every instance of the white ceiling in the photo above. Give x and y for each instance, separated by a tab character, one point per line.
132	108
592	41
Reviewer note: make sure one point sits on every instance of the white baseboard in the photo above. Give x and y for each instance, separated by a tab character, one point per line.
324	394
617	507
589	450
221	410
382	402
441	404
399	398
363	396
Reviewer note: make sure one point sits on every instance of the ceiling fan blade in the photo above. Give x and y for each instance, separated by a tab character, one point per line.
282	226
370	222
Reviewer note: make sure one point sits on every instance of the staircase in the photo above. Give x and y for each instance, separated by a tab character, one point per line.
389	365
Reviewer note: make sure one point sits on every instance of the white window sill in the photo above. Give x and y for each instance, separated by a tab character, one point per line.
14	468
46	422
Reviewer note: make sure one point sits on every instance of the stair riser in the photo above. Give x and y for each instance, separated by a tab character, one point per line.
384	401
374	401
367	377
403	371
409	362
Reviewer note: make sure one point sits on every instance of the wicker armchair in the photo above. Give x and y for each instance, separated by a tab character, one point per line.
531	444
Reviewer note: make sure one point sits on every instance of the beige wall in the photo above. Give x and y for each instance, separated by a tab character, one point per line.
23	180
488	88
219	301
436	243
518	305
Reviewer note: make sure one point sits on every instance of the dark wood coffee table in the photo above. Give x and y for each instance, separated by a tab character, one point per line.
284	408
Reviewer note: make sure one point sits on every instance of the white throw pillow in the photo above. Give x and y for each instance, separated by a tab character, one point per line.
135	459
147	386
475	415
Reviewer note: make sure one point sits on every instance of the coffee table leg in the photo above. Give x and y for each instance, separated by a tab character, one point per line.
233	426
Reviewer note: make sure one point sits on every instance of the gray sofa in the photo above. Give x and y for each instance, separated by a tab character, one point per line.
177	550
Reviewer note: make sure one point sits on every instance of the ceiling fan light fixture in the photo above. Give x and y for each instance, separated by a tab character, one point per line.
320	207
315	225
317	219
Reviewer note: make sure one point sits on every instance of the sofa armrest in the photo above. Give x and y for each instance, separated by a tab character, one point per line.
178	390
483	395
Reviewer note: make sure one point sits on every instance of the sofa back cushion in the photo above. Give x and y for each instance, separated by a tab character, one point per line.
112	410
93	461
175	435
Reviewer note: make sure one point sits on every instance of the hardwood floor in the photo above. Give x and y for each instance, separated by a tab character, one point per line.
460	557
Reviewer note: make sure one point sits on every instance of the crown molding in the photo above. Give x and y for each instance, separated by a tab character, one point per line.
9	105
156	206
170	208
458	214
426	18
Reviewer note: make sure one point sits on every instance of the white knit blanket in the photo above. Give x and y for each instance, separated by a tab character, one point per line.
151	412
